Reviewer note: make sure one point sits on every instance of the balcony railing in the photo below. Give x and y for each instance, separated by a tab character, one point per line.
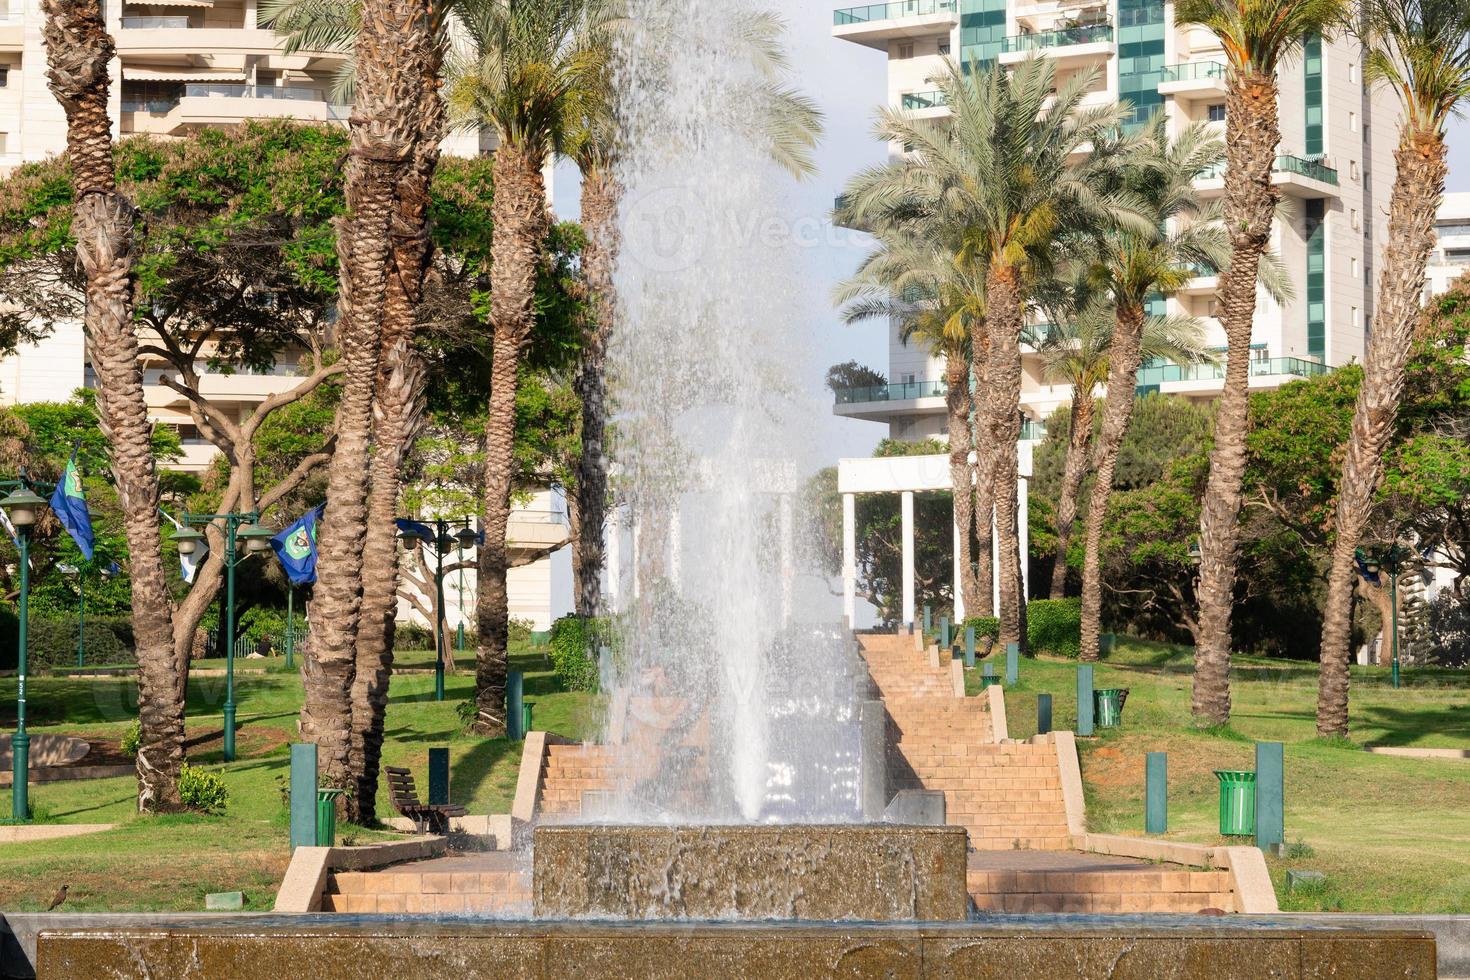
229	90
901	391
149	23
157	106
890	11
1306	168
922	100
1032	430
1065	37
1294	366
1194	71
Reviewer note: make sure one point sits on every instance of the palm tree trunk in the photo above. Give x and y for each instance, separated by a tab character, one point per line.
981	474
958	404
1123	358
519	213
1418	189
1078	444
1252	132
600	194
1003	418
393	45
399	408
78	53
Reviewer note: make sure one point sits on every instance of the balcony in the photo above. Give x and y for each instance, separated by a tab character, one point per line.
876	24
1068	46
172	40
1298	176
1194	80
924	105
1032	430
224	104
1207	376
1205	281
897	392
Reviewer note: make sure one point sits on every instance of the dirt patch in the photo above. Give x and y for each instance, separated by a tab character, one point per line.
1119	763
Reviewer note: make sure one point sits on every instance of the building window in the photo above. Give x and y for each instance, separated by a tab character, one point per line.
1312	88
1353	263
905	51
1216	112
944	47
1352	122
1356	223
1353	169
1316	234
4	75
1352	73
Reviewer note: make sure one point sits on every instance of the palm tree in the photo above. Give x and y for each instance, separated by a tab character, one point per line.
1076	352
1000	189
788	121
78	53
1131	268
936	301
1258	36
398	393
1420	49
396	54
532	63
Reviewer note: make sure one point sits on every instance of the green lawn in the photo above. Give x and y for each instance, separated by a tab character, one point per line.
169	863
1390	833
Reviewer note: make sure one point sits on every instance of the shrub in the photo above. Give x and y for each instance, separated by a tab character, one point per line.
1054	626
573	652
202	790
262	622
52	643
133	738
984	626
467	711
413	636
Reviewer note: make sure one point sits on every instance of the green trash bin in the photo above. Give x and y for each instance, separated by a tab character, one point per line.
1107	707
326	816
525	717
1237	802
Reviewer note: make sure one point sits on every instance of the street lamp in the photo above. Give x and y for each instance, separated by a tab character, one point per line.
256	537
442	541
22	506
1392	560
1195	555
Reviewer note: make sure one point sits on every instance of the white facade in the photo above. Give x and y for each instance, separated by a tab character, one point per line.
1451	257
1335	176
183	65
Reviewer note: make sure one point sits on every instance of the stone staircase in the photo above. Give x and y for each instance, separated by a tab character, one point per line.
466	884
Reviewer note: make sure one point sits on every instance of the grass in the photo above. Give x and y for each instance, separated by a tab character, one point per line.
1388	832
169	863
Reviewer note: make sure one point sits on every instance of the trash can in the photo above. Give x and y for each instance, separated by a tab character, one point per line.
1107	707
525	718
1237	802
326	816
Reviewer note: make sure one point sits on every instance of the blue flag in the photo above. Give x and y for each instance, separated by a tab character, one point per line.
70	508
296	547
423	530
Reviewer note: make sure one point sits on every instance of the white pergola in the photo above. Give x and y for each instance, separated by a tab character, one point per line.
907	475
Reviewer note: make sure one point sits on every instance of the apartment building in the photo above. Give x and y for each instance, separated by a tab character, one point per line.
1451	257
183	65
1334	169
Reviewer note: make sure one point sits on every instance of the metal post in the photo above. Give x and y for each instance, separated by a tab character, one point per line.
438	777
513	703
439	644
459	638
928	619
1393	601
303	794
1270	794
1013	666
290	624
81	618
944	631
1043	714
20	745
1156	793
230	639
1084	699
969	647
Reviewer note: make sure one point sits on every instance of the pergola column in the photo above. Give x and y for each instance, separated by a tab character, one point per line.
849	558
959	592
908	556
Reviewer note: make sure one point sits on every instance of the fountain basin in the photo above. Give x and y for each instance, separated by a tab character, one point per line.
823	872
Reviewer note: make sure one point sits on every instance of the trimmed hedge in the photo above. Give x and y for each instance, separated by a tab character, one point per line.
572	650
52	643
1052	626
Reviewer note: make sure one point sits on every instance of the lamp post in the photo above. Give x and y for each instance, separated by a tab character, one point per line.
442	542
290	623
244	527
1392	560
22	505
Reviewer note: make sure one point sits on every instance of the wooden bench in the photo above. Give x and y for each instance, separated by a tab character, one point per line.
430	818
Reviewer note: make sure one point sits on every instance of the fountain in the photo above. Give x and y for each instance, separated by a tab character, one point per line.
731	838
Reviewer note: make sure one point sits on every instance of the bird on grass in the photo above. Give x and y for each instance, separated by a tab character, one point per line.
56	902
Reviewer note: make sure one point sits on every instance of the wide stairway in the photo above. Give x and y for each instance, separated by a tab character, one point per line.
1008	796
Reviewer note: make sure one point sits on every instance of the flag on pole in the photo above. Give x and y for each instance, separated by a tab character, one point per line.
70	507
296	547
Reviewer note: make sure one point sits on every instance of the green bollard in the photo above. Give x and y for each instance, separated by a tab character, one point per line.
1156	793
928	620
1013	663
1043	714
303	795
438	777
987	675
514	714
944	631
969	648
1270	795
1084	700
526	719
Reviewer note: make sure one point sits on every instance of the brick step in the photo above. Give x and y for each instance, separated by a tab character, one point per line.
1101	891
462	892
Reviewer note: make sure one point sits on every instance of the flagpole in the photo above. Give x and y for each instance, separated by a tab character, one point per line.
290	623
81	617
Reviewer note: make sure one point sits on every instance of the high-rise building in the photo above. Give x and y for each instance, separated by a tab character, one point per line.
183	65
1451	257
1334	169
